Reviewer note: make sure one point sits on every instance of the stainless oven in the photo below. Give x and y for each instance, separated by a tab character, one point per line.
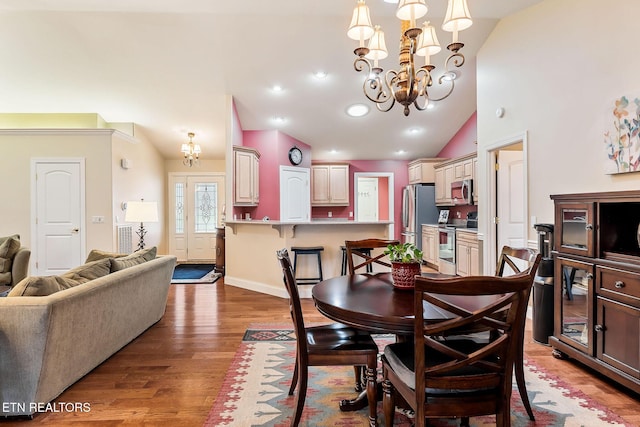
447	244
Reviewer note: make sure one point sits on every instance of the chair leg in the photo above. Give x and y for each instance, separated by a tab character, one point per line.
522	388
464	422
371	393
357	370
302	395
388	404
294	378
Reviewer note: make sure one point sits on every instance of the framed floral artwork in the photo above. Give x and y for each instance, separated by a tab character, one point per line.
622	136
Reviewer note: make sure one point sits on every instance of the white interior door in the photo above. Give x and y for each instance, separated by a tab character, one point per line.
367	199
295	194
197	206
58	216
510	203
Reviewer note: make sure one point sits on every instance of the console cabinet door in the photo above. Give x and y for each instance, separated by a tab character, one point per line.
618	335
574	299
574	233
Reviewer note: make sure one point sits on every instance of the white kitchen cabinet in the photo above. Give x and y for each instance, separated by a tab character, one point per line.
444	178
330	185
246	168
422	171
467	253
451	171
430	245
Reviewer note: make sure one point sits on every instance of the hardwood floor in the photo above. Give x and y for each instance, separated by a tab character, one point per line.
171	374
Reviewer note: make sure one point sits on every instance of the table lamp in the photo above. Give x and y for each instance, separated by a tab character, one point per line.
141	212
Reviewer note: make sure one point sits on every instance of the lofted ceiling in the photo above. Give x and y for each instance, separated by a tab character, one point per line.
168	66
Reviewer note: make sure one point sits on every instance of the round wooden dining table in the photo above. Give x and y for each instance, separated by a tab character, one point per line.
370	302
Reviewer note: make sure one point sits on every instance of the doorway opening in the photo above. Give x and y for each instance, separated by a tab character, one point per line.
507	198
373	197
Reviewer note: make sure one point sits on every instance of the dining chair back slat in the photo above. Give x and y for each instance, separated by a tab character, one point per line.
367	259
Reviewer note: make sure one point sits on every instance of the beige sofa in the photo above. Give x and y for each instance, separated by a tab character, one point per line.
16	267
49	342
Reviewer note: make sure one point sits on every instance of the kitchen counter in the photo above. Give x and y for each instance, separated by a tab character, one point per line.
251	246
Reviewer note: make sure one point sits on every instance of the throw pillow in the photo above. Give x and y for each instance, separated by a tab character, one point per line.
89	271
39	286
8	249
97	254
135	258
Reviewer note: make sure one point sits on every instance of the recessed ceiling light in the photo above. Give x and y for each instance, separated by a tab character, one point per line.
279	120
334	151
391	1
357	110
414	131
431	106
320	74
276	88
450	75
401	152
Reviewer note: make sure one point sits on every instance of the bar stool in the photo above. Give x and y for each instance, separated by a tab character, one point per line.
311	250
343	270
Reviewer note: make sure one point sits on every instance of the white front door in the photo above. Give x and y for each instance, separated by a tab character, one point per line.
58	216
295	194
367	199
510	206
197	203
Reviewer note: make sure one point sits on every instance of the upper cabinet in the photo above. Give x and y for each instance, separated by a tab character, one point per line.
330	185
246	176
422	171
453	170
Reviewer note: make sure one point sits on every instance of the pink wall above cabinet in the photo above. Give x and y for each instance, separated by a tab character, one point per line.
464	141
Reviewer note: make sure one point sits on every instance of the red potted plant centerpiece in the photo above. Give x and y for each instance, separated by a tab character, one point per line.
405	259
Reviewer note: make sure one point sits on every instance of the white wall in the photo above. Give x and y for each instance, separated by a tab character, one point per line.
556	69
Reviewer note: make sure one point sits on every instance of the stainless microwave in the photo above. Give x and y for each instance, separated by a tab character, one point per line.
462	192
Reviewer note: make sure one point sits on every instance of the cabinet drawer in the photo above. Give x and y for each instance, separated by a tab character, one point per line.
618	284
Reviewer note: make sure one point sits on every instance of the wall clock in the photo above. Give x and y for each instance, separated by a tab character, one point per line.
295	156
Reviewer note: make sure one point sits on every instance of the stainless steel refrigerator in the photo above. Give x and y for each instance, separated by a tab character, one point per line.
418	207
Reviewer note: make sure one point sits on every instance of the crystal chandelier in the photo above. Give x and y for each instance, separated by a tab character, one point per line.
191	151
409	85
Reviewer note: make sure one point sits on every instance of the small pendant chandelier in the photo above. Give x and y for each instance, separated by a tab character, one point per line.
191	151
411	83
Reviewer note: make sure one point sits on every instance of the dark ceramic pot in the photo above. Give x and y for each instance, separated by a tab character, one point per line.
404	273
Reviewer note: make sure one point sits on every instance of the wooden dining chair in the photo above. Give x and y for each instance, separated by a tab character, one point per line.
516	261
330	345
441	377
367	258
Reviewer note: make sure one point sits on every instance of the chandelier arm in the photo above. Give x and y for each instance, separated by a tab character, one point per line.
424	78
457	58
372	86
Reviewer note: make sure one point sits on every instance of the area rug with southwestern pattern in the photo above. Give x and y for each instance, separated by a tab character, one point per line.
254	392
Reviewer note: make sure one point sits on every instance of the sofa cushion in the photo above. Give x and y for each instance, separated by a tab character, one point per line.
39	286
8	247
89	271
97	254
135	258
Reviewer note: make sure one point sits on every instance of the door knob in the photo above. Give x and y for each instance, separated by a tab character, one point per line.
75	230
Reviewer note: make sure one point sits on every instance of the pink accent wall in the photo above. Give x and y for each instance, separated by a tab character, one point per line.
383	198
463	142
400	170
274	148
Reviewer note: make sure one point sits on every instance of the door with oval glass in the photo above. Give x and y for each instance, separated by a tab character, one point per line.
196	209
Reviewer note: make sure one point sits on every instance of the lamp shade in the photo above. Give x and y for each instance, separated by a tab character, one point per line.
457	17
410	10
141	212
428	41
360	28
377	45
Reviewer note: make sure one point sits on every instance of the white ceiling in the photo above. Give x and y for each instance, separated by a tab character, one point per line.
168	65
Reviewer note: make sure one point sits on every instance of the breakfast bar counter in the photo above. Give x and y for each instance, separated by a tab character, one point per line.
251	246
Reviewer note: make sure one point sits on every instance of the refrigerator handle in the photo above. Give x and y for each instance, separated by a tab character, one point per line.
405	208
